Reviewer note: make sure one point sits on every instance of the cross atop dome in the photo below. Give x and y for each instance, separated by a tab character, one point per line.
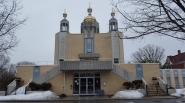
89	10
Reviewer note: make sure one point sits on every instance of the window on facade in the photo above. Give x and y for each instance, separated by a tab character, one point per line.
177	80
116	60
169	81
89	45
183	81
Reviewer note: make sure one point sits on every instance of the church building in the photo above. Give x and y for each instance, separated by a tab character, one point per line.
88	62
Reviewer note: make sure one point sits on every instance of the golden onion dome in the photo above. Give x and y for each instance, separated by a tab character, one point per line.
89	18
112	13
89	8
64	14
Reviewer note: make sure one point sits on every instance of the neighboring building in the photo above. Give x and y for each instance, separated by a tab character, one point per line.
88	61
173	77
176	61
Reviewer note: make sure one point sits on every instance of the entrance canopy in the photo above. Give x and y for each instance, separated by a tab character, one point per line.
85	65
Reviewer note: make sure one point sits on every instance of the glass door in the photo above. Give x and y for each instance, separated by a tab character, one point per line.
86	85
83	84
90	86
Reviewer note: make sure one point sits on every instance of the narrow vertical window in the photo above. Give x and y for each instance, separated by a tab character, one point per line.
177	83
183	78
169	81
88	45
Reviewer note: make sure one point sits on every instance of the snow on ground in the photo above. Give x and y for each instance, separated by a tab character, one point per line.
179	92
128	94
46	95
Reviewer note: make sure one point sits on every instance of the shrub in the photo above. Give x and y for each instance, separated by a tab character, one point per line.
137	83
34	86
45	86
128	85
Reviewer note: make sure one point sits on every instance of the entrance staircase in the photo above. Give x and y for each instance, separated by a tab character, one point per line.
125	74
150	89
47	76
154	90
14	85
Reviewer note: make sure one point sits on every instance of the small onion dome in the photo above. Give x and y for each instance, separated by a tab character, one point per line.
113	13
64	14
90	18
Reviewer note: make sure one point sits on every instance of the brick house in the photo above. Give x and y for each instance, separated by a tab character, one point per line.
176	61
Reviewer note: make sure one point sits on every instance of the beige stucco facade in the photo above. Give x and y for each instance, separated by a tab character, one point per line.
75	46
61	83
86	47
149	70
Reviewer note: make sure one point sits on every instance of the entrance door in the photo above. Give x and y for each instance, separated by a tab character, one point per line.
86	85
90	86
83	86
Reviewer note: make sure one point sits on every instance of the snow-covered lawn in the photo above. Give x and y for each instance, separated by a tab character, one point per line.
128	94
179	92
33	96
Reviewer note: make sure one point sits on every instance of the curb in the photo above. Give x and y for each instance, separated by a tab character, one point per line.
112	99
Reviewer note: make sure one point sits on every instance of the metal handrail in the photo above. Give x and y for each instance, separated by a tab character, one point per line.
47	75
11	87
162	85
27	85
144	85
124	73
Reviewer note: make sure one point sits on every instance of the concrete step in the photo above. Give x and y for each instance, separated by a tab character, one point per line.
153	87
153	90
157	94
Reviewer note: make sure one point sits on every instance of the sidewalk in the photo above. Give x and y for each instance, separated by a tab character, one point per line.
107	98
89	98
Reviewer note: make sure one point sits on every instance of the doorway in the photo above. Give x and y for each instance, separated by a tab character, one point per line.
86	83
86	86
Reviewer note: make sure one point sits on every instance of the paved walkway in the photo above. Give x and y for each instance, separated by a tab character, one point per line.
89	98
107	97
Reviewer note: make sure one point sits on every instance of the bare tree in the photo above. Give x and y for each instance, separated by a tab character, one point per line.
25	63
9	23
6	73
4	60
149	54
158	17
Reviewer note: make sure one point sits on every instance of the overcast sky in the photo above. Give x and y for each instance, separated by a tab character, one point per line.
37	36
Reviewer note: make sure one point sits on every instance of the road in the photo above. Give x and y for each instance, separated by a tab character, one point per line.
178	100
